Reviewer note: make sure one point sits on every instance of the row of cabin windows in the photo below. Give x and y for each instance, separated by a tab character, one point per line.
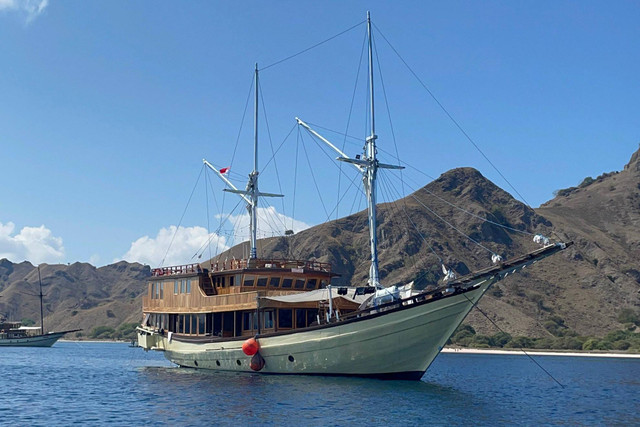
274	282
223	281
264	281
182	286
179	287
234	323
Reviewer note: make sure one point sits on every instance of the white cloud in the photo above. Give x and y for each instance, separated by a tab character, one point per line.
31	9
270	223
94	259
189	241
182	245
33	244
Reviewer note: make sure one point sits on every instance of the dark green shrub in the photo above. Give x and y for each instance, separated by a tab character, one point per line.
102	332
500	339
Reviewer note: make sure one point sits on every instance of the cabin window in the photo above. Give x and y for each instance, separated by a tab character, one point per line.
223	280
306	317
301	318
285	318
274	282
153	290
268	319
286	282
201	323
188	286
182	286
187	324
209	323
227	324
248	280
311	283
180	323
194	324
237	281
249	321
312	316
161	290
299	283
175	287
262	281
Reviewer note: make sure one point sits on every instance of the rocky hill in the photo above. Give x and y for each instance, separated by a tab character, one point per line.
76	296
584	288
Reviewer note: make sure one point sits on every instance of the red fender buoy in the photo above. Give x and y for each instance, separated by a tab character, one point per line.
257	362
250	347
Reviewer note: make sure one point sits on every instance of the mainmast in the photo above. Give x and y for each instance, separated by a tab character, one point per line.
371	171
368	166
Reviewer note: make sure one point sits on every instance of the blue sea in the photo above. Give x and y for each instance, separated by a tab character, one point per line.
112	383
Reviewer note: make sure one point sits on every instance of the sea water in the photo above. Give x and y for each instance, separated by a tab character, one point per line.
112	383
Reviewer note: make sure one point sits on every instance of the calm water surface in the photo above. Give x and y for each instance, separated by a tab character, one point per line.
111	383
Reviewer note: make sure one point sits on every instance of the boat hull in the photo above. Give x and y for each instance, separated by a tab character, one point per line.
399	343
46	340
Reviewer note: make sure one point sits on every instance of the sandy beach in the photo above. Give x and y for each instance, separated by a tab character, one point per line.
538	352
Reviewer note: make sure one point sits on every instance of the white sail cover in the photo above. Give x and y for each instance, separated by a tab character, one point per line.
319	295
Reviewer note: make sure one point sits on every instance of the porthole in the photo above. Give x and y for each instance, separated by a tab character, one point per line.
238	362
195	362
291	359
217	363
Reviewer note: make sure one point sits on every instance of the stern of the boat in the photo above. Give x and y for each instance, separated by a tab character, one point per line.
148	338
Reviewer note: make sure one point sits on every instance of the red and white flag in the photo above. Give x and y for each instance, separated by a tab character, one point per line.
224	170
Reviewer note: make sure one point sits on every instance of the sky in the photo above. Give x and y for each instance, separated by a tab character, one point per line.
107	109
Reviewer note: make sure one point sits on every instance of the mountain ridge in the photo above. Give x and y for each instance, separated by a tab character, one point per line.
586	286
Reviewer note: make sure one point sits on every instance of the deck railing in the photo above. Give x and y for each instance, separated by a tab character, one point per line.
178	269
238	264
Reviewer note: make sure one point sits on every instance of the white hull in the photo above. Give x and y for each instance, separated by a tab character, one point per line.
399	343
46	340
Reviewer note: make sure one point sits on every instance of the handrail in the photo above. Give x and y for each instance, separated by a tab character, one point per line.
179	269
239	264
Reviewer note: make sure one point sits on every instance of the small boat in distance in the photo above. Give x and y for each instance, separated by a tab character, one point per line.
283	316
14	334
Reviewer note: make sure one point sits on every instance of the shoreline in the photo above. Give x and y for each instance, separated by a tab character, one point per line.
465	350
460	350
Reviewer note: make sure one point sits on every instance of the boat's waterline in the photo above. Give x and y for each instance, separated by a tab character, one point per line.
399	344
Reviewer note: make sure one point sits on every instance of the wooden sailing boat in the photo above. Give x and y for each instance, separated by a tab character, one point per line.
284	317
13	334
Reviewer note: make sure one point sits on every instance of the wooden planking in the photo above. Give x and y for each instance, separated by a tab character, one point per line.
198	302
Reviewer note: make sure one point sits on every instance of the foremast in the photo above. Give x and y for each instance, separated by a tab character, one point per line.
251	193
368	165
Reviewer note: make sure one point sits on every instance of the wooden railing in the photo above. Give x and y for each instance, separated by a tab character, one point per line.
178	269
238	264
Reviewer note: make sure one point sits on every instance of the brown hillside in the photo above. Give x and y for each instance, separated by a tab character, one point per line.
76	296
586	286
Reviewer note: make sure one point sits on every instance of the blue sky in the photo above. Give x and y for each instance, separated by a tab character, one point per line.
107	109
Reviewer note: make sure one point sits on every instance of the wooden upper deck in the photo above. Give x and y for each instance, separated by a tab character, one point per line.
229	286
